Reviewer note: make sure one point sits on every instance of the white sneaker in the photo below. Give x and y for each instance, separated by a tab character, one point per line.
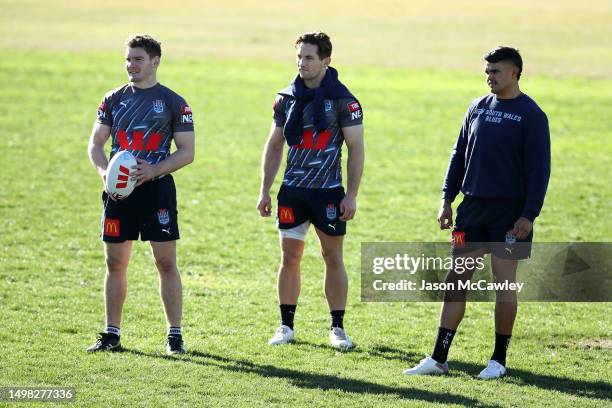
492	370
283	335
428	366
339	339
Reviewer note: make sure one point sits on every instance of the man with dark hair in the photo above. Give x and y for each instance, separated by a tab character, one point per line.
142	117
501	163
314	116
151	46
509	54
321	40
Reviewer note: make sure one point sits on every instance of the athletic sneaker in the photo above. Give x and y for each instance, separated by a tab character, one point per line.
428	366
106	342
339	339
492	370
174	345
283	335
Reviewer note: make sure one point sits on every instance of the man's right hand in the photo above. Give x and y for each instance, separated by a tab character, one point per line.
264	205
445	215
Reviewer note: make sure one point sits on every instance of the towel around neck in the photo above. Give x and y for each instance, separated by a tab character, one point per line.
331	88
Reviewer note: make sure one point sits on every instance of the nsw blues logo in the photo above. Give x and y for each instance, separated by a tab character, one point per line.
328	105
163	216
158	106
510	238
330	211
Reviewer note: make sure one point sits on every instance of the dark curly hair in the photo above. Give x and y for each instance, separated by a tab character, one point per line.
320	39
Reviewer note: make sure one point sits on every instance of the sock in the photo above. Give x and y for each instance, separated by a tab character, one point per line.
287	314
502	341
337	318
174	331
443	343
113	330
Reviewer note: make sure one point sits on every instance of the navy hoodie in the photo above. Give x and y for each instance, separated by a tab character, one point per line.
503	151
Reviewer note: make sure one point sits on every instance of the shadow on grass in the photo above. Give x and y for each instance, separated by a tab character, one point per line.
589	389
315	381
385	352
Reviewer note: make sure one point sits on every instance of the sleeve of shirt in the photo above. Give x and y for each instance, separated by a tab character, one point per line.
351	113
456	165
279	115
182	117
105	111
537	164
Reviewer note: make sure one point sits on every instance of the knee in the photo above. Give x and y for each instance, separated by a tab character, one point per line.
166	264
116	264
455	291
332	259
506	296
291	257
455	295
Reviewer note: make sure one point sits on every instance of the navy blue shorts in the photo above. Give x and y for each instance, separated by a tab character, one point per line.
321	206
483	223
149	211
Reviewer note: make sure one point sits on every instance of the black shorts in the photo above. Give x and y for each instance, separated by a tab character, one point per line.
321	206
483	223
149	211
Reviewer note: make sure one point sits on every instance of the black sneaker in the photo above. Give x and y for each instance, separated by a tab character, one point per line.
174	345
106	342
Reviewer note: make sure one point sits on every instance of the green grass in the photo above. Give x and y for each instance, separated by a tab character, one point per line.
51	262
561	38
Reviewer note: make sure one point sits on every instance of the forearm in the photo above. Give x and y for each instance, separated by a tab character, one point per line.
355	163
536	159
98	158
178	159
454	177
455	171
272	158
537	185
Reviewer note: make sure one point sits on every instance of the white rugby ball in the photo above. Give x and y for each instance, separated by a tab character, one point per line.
119	182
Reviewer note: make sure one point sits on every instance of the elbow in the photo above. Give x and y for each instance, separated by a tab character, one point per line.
91	147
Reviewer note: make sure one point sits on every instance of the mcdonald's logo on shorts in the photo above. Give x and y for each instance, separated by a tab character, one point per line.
111	227
285	215
458	239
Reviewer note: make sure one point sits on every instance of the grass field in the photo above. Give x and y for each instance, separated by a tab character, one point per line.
51	264
560	38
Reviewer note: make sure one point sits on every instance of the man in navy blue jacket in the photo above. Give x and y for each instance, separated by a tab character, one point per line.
501	164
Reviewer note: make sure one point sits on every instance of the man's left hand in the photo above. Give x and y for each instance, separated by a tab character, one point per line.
144	171
522	228
348	207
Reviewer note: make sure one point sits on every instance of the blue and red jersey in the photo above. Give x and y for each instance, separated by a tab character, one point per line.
316	161
143	121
